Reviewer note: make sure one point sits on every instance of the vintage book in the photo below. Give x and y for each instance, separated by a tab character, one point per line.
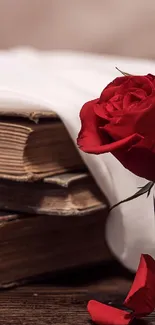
32	146
32	245
64	194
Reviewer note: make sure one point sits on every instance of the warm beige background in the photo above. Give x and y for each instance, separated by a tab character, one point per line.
107	26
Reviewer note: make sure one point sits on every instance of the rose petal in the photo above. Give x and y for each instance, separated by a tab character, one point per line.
142	151
132	97
137	82
89	134
151	77
106	315
141	297
114	87
125	143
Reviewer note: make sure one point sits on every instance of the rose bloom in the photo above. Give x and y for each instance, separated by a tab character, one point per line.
122	121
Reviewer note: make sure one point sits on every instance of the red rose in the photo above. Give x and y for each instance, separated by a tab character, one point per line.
122	121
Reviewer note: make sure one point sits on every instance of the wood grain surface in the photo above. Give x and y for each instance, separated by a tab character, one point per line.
62	299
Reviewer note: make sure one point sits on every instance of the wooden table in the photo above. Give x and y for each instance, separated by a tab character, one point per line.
63	299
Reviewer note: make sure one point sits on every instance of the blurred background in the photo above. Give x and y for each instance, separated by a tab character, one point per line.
118	27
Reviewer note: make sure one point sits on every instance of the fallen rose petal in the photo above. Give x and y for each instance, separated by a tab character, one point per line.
141	297
106	315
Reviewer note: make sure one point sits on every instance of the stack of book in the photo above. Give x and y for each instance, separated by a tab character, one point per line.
52	213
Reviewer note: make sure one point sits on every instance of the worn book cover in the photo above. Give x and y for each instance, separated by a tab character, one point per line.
32	245
64	194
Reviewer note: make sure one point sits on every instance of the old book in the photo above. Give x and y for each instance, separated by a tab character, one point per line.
32	146
32	245
64	194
